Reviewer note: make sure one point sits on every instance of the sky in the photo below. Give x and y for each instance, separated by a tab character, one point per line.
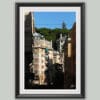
54	19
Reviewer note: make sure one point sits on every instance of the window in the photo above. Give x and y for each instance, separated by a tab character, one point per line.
35	59
42	61
36	66
42	67
36	51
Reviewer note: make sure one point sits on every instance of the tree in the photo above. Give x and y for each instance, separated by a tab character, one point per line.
52	34
63	25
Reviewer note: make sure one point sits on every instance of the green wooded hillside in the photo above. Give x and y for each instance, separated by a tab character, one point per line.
52	34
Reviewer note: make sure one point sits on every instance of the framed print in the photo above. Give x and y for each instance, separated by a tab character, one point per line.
50	50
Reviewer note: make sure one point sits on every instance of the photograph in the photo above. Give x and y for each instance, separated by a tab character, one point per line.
46	55
50	50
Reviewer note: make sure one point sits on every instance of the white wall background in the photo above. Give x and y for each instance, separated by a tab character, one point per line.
7	43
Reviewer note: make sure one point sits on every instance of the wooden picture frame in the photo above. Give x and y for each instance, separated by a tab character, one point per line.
22	44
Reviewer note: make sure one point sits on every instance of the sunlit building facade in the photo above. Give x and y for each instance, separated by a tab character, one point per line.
39	57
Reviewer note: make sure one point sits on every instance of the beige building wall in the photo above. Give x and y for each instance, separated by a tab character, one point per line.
39	61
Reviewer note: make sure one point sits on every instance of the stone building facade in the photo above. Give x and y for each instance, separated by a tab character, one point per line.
39	57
